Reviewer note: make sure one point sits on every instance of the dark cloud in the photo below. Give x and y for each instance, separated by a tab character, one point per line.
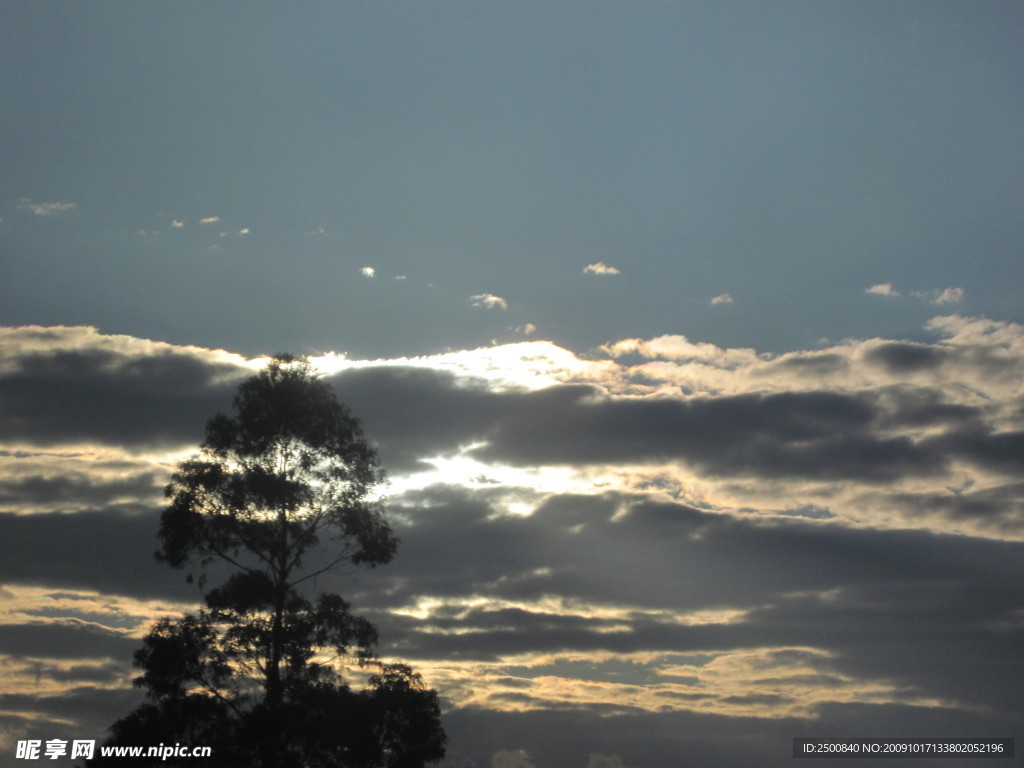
903	406
111	617
104	551
904	357
874	600
1000	507
996	451
653	740
69	639
82	712
920	615
821	435
79	490
106	673
101	396
585	546
813	365
951	639
98	395
768	699
817	681
416	413
992	357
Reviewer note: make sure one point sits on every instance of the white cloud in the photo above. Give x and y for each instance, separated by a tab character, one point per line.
177	224
949	296
31	340
368	272
934	296
210	220
883	289
488	301
399	277
722	298
945	296
678	348
45	209
244	231
526	329
600	268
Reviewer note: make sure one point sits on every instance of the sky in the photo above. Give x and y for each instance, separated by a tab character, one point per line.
690	336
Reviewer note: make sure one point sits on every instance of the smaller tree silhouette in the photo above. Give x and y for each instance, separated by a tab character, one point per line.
279	494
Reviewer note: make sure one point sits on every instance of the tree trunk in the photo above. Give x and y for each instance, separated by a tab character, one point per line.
274	689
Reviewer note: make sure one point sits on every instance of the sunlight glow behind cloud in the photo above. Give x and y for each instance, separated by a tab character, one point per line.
526	365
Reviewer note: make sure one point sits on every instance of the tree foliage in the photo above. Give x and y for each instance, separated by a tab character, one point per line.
280	493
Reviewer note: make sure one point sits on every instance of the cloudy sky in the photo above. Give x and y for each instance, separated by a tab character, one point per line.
690	335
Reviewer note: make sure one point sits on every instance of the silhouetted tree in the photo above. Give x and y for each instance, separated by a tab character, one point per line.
279	494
